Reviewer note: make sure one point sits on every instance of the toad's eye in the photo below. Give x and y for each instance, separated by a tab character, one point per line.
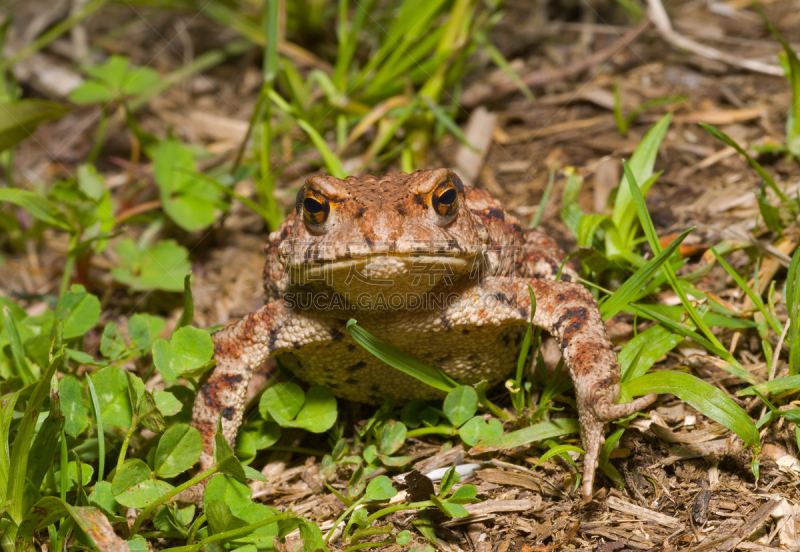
315	208
444	200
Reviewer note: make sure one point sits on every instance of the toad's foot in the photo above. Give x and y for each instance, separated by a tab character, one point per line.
569	312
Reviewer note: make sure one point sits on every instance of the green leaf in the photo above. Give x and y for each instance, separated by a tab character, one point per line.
188	349
166	403
704	397
234	493
135	486
72	476
450	509
219	516
189	201
19	119
357	483
160	266
38	206
528	435
46	441
380	489
460	405
143	329
282	401
111	383
464	495
73	407
450	478
396	358
80	311
112	344
90	92
477	429
103	498
224	457
393	437
178	450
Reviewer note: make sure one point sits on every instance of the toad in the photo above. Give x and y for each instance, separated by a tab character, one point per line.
437	269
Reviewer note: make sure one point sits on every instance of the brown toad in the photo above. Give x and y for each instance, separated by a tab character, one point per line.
428	265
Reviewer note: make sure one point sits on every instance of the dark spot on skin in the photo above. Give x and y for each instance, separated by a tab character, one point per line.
495	213
419	200
580	314
232	379
297	345
445	322
453	244
375	388
506	340
351	381
465	331
523	312
333	385
336	335
357	366
273	337
518	340
401	210
445	358
359	213
227	413
351	347
368	241
500	297
472	358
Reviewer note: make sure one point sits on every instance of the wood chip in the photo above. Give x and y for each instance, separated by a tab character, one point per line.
641	513
557	128
501	477
718	448
469	161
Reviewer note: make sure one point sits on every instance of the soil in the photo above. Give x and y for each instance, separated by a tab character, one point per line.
689	483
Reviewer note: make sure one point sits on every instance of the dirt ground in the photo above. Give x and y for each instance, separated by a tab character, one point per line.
689	483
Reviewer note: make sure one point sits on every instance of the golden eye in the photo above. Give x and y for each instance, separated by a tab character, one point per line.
444	199
316	208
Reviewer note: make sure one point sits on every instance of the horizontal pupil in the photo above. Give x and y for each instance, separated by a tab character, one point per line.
312	206
448	197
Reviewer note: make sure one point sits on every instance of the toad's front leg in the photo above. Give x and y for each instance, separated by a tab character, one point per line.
569	312
239	350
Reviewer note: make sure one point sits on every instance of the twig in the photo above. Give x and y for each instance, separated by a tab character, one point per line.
480	93
660	19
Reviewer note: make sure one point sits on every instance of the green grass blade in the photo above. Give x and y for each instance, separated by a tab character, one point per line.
765	176
792	301
652	239
642	352
704	397
101	436
400	360
17	352
642	163
528	435
732	366
21	448
779	385
628	291
759	304
6	416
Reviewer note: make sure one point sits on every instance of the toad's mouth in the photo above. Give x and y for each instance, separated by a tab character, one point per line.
379	266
